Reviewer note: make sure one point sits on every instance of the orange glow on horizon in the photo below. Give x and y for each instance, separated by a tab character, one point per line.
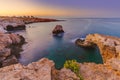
25	7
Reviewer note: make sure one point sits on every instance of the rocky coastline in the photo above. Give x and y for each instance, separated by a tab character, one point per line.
44	69
109	46
19	23
10	46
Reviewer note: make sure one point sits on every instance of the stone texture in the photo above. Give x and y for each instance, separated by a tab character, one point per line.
64	74
92	71
44	69
40	70
7	40
109	46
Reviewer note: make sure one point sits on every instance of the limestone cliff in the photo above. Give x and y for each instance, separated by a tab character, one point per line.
109	46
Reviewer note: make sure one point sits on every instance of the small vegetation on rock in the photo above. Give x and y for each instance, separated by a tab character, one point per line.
73	66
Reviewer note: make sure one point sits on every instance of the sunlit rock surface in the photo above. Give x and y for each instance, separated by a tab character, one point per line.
109	46
40	70
92	71
44	69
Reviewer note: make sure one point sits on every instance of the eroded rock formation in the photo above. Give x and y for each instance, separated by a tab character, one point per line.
9	43
109	46
44	69
40	70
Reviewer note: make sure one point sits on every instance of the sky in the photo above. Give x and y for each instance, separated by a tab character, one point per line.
64	8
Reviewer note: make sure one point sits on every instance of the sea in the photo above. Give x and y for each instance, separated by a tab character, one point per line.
41	42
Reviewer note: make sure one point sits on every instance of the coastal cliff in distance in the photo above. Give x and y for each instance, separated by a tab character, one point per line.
18	23
44	69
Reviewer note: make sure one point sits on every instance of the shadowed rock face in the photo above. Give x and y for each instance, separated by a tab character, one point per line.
18	27
57	30
10	46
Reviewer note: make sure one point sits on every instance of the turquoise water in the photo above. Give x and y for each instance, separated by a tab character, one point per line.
41	43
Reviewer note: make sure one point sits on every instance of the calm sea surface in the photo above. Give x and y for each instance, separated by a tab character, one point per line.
41	43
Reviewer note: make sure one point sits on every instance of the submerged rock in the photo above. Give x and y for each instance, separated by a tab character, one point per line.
58	30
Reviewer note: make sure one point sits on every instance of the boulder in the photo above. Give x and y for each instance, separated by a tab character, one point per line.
57	30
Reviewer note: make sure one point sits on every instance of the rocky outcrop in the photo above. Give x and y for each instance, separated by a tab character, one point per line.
109	46
64	74
9	43
92	71
57	30
44	69
84	44
40	70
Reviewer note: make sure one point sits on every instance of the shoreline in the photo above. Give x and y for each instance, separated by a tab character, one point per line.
8	24
19	23
109	47
89	71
